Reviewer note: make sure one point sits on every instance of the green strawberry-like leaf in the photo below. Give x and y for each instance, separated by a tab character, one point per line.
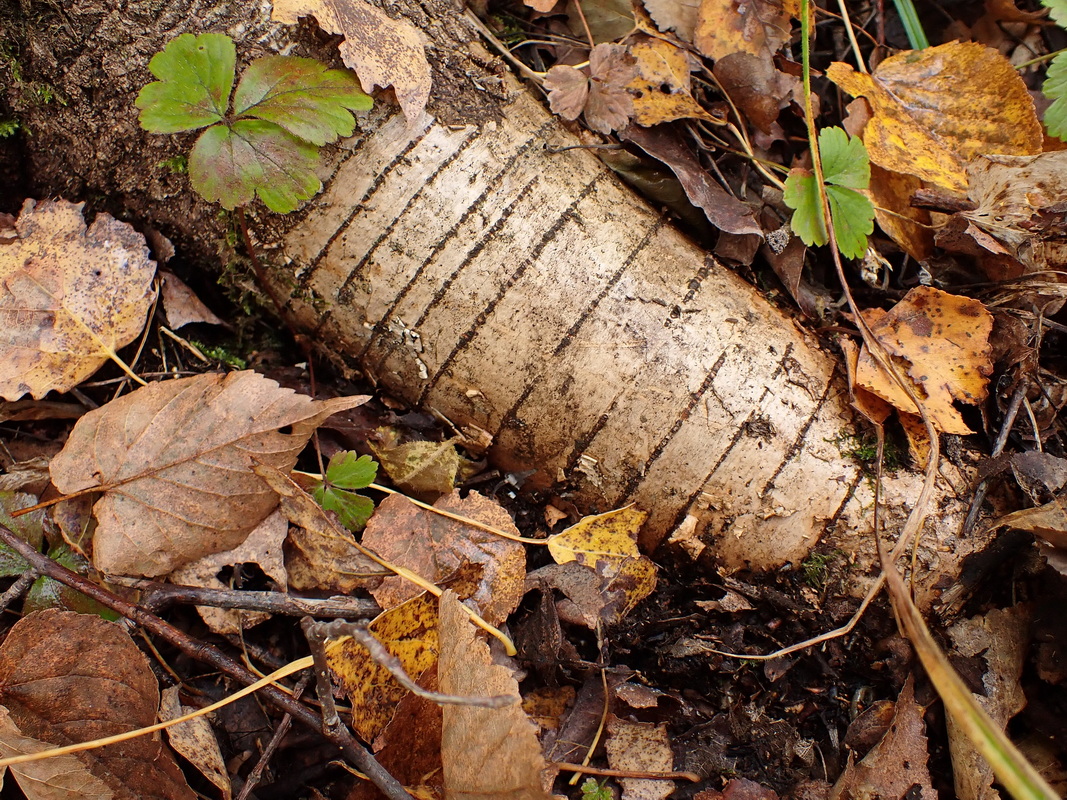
345	473
1057	9
195	80
266	145
1055	89
846	169
302	96
231	165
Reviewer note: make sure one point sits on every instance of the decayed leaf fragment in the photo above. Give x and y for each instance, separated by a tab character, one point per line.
68	678
640	747
438	548
173	461
486	752
69	297
603	96
194	741
383	51
607	543
935	109
940	341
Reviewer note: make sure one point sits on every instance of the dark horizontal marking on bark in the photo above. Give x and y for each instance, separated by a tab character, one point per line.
581	443
685	509
679	421
387	230
468	258
527	262
305	279
568	337
798	442
830	523
781	361
698	279
475	207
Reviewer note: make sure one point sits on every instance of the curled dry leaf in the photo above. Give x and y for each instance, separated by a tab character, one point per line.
486	752
438	548
602	96
69	296
174	463
182	305
935	109
67	678
263	546
195	741
383	51
940	341
759	27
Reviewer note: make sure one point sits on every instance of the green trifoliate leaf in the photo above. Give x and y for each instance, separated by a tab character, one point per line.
302	96
853	217
347	471
352	509
802	195
1055	89
232	165
844	161
1057	9
195	80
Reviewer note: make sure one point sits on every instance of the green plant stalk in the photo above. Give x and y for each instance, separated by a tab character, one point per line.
912	27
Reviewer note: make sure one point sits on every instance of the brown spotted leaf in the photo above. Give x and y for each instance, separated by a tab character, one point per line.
940	341
67	678
69	297
174	463
661	89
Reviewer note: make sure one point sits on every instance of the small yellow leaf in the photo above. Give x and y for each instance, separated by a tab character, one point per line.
602	537
661	89
409	632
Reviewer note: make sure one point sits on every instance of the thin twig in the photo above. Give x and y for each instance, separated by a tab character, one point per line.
353	752
256	775
158	596
16	589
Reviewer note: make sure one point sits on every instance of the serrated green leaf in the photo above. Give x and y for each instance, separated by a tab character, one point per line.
1055	89
844	160
802	195
232	165
196	76
347	471
352	509
302	96
1057	9
853	216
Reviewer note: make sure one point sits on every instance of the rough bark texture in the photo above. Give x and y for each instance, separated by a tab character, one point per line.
465	267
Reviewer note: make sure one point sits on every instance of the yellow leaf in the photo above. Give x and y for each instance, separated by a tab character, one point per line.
759	27
409	632
661	89
609	537
935	109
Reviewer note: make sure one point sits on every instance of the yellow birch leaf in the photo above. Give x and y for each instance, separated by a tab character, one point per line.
662	88
935	109
409	632
759	27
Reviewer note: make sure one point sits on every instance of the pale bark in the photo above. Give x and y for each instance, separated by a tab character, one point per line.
466	268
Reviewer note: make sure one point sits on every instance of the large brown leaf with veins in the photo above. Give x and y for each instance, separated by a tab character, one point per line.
173	460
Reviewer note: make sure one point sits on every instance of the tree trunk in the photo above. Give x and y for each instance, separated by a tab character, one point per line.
468	269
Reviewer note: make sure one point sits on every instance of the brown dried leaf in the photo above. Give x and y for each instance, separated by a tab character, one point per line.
895	768
759	27
941	341
182	305
437	548
1000	639
409	632
195	741
486	752
67	678
609	105
679	16
935	109
1048	521
420	468
174	462
383	51
722	209
263	546
542	6
69	297
758	89
640	747
568	89
319	553
661	89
